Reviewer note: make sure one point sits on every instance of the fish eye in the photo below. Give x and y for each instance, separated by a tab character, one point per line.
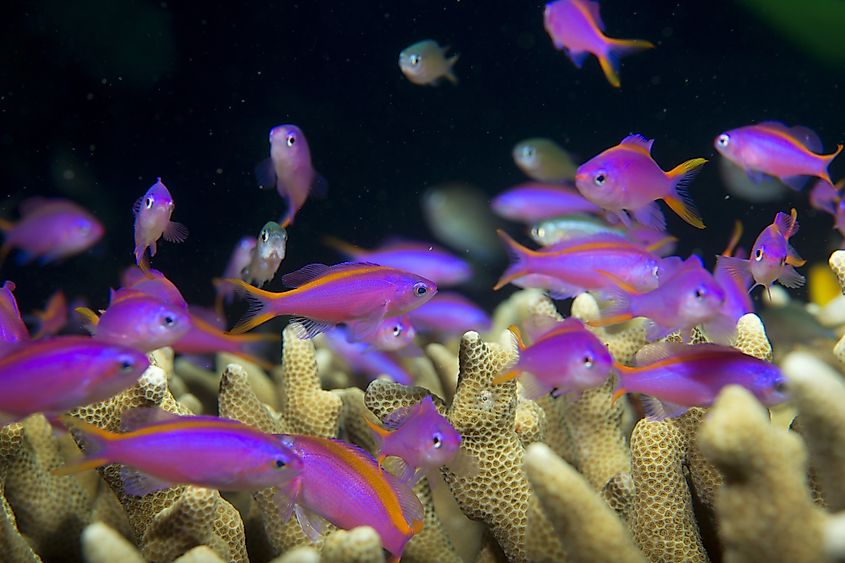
420	289
437	441
397	330
126	364
700	292
414	59
148	203
588	361
600	179
291	140
279	463
779	386
723	140
264	236
168	321
528	152
758	254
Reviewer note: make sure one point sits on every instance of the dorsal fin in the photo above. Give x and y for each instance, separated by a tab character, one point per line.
32	204
398	417
593	8
140	417
639	142
803	135
787	224
658	351
304	275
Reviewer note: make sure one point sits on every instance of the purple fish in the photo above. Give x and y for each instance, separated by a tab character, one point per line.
366	360
344	485
53	318
153	283
532	202
289	169
678	376
58	374
625	178
827	197
152	221
565	358
238	260
420	436
50	229
160	449
722	328
421	258
576	26
392	334
450	314
12	328
789	154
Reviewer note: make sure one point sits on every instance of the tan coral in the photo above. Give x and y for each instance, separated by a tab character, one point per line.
358	545
751	337
837	265
13	545
764	507
200	554
101	544
623	340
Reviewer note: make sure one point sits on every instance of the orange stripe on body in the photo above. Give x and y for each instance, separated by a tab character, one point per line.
678	359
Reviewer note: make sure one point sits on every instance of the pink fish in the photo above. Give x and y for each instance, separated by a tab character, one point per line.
827	197
722	328
12	328
49	230
54	316
138	320
772	257
238	260
450	314
289	170
576	26
392	334
420	436
152	221
360	295
153	283
678	377
532	202
58	374
160	449
789	154
365	360
344	485
566	358
626	178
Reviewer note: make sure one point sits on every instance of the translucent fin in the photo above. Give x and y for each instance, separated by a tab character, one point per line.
175	232
259	304
680	202
309	328
532	388
796	183
286	497
319	187
650	216
655	409
518	255
405	473
638	141
312	524
738	268
620	48
378	432
135	418
656	331
450	73
787	224
410	505
593	8
304	275
790	278
265	174
577	57
464	465
138	484
398	417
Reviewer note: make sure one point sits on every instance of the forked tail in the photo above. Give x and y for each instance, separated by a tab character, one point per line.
620	48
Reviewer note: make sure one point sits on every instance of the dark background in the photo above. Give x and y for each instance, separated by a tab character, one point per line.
99	97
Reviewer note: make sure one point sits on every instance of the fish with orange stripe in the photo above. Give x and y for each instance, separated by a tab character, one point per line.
359	295
677	377
342	484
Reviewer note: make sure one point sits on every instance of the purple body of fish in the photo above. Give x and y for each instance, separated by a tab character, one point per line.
239	259
366	360
450	313
722	328
12	327
828	198
50	229
58	374
533	201
152	221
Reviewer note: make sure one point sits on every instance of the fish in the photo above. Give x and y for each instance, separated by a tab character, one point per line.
49	230
12	328
722	328
152	221
290	171
756	189
153	283
422	258
544	160
366	360
790	154
772	257
342	484
420	436
533	202
565	358
626	178
138	320
238	260
393	334
55	375
425	63
687	298
459	216
679	376
159	449
360	295
450	314
576	27
827	197
551	231
267	256
53	318
574	266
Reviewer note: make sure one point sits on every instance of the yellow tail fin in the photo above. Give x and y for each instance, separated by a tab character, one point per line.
679	201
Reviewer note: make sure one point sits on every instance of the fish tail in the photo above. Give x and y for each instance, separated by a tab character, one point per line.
93	440
679	200
506	376
735	236
450	73
519	254
827	159
379	433
89	317
343	247
620	48
259	304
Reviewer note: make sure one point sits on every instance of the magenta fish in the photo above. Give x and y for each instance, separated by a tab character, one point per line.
532	202
360	295
625	178
152	221
827	197
366	360
722	328
566	358
392	334
54	316
576	26
450	314
238	260
420	436
55	375
342	484
12	328
49	230
289	170
790	154
678	377
160	449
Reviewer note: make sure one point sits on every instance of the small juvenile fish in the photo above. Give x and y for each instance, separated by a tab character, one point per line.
12	328
422	258
722	328
544	160
289	170
772	257
268	255
567	358
450	314
238	260
55	375
393	334
49	230
138	320
689	297
53	318
420	436
152	221
680	376
577	27
459	216
160	449
532	202
343	484
360	295
626	178
827	197
366	360
567	227
425	63
789	154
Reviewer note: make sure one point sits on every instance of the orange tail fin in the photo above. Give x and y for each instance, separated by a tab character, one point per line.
619	48
94	441
679	200
259	304
519	254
